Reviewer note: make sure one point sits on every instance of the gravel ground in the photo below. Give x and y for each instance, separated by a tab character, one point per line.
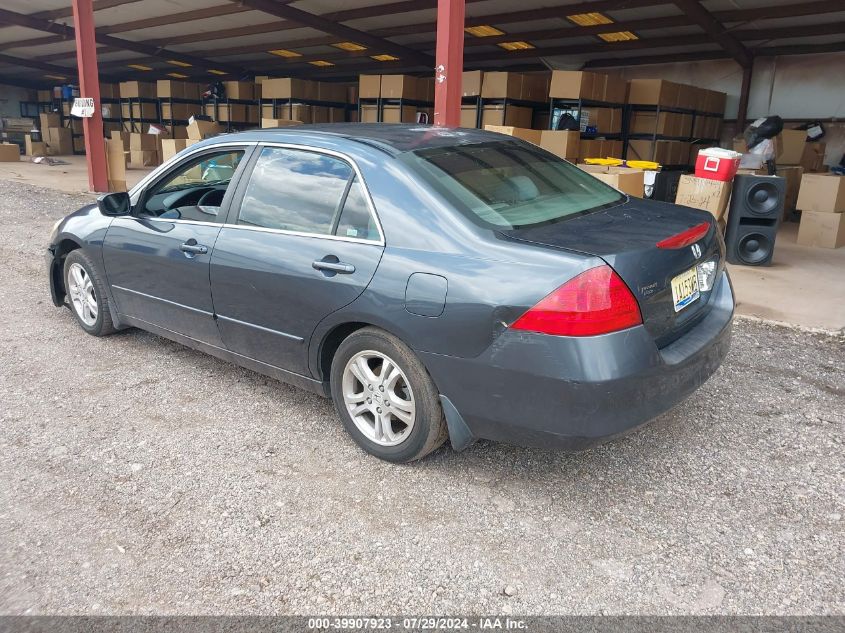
138	476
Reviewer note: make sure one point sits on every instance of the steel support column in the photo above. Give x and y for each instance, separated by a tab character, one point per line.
450	62
89	86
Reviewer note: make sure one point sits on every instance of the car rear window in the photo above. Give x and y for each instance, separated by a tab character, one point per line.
510	185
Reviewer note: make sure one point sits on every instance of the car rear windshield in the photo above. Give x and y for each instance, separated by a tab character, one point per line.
510	185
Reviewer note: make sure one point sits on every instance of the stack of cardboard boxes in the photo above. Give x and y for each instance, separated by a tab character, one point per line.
419	92
298	93
58	140
822	204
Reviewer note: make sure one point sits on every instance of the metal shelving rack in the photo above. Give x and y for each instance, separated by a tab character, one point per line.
227	102
136	124
287	102
577	105
653	137
381	102
170	122
535	106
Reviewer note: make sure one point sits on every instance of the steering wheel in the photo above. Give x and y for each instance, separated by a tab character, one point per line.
211	198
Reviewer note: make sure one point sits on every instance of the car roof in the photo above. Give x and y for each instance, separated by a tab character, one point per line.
392	138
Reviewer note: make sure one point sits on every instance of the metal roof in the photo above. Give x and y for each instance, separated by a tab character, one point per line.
191	37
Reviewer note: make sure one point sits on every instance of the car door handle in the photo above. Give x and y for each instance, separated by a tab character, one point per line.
194	249
335	267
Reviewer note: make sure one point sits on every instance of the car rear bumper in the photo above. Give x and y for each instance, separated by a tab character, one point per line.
571	393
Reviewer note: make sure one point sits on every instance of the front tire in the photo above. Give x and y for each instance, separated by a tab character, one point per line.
385	397
86	295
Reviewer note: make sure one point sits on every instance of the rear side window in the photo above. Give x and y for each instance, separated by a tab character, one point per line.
509	185
355	218
295	190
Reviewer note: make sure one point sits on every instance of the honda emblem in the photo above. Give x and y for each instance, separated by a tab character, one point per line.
696	251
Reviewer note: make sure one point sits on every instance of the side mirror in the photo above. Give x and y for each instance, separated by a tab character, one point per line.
115	203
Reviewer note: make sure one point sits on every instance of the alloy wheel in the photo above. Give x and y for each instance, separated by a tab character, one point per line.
81	293
379	398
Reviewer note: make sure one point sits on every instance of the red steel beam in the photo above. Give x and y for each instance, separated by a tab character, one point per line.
450	62
89	86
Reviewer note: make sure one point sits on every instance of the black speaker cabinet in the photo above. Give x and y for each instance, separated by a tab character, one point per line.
755	213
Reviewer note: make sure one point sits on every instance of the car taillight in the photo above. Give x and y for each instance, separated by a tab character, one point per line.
685	238
595	302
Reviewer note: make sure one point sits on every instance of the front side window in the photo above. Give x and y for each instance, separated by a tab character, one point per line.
508	185
195	190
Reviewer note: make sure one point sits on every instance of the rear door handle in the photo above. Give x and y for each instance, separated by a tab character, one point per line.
193	249
335	267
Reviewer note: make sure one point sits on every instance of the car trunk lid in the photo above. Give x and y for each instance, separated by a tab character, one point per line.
626	237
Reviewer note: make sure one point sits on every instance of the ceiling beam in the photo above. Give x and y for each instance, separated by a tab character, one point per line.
379	45
33	63
67	12
714	29
818	7
40	24
173	18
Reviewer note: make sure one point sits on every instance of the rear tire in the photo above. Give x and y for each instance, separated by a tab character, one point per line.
86	295
385	397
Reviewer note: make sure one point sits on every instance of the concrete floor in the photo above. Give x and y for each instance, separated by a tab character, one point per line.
804	286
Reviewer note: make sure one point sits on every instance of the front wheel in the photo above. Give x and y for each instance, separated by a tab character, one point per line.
86	294
385	397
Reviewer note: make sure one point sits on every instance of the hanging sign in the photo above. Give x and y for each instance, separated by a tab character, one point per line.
83	107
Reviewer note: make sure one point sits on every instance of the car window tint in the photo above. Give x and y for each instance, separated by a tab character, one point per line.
356	219
195	190
510	184
294	190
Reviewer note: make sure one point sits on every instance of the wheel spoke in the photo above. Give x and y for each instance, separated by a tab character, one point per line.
390	381
404	416
354	398
77	273
364	373
386	428
361	408
92	304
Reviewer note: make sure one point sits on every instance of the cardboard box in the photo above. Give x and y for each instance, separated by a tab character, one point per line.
425	89
614	89
599	84
812	159
49	119
369	86
137	89
625	179
501	85
705	194
108	91
331	91
515	116
34	148
169	89
469	116
822	193
826	230
143	158
714	102
688	97
653	92
123	137
172	146
561	143
369	113
279	123
535	87
228	112
651	123
395	114
532	136
590	148
337	115
116	164
144	111
789	147
287	88
179	111
9	153
44	95
572	84
142	142
471	83
59	141
199	130
399	87
239	89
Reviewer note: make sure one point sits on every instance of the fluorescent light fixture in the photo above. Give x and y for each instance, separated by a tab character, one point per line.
620	36
56	77
516	46
589	19
176	62
483	30
321	63
384	58
139	67
177	75
214	71
284	52
349	46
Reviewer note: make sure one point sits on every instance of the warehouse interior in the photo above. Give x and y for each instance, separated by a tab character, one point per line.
648	80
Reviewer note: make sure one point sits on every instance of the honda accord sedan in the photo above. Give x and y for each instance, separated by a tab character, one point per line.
435	283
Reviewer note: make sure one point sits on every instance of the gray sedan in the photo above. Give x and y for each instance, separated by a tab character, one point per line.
436	283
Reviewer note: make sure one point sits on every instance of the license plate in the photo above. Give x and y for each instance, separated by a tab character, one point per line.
685	289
